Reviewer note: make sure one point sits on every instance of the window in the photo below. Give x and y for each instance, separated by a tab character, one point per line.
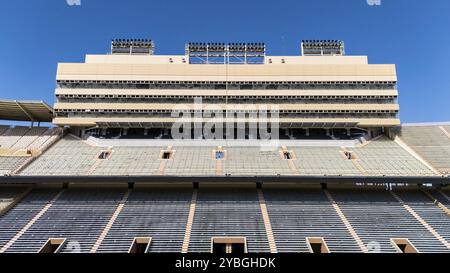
403	246
140	245
349	155
166	155
317	245
53	245
287	155
104	155
220	155
235	245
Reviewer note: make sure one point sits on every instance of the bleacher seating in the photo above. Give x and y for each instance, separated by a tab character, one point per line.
385	157
3	129
424	206
9	164
69	156
130	161
323	160
254	161
79	215
191	161
12	136
29	137
377	216
431	143
228	212
8	194
157	213
15	219
72	156
296	214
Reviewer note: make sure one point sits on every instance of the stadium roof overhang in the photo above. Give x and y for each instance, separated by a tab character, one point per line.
35	111
157	179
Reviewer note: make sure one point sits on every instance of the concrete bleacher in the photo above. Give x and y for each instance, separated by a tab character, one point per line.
377	216
151	212
431	143
69	156
425	207
26	141
127	161
79	215
385	157
191	161
12	136
73	156
228	212
323	160
296	214
9	164
8	195
254	161
16	218
29	137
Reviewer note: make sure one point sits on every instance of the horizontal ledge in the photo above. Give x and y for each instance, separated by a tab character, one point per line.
300	179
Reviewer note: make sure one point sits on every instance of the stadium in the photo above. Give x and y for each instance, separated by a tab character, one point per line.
298	154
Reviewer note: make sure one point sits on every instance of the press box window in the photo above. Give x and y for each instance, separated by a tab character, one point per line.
140	245
317	245
53	245
235	245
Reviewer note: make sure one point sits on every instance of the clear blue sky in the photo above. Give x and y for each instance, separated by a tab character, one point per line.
415	35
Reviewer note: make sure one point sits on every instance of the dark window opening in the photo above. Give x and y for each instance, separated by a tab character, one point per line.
225	245
104	155
317	245
220	155
140	245
404	246
166	155
287	155
349	155
52	246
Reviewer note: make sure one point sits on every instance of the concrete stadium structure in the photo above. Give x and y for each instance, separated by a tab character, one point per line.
343	175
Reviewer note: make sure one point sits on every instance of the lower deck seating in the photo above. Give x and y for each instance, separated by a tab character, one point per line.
228	212
79	215
424	206
16	218
157	213
377	217
296	214
69	156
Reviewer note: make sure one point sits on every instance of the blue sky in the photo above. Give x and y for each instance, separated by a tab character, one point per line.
415	35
